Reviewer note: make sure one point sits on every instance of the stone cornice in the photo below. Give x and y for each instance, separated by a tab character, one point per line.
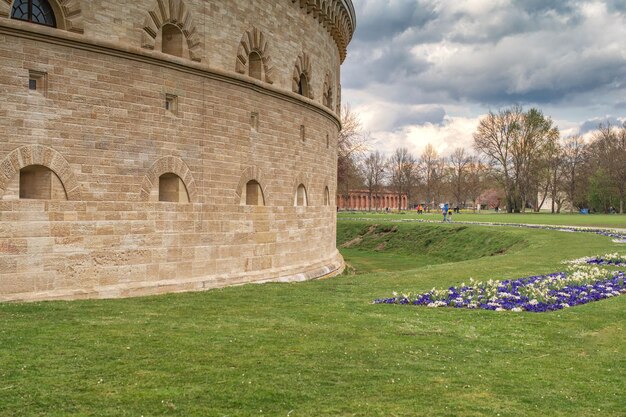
42	33
337	16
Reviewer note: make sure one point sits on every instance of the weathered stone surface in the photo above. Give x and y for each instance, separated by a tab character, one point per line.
102	127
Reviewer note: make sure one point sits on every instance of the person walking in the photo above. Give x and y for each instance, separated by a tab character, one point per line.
444	211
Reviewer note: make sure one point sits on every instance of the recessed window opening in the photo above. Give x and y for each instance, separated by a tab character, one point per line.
327	142
301	197
303	85
172	40
302	133
34	11
172	189
255	65
38	81
171	103
40	183
326	196
254	121
254	194
328	98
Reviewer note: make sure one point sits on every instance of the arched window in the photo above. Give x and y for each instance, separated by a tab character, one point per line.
172	189
328	98
172	40
300	197
254	194
255	65
326	196
41	183
35	11
303	85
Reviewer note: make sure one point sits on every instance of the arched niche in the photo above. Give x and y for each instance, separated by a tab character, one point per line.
327	92
176	13
253	58
301	197
252	188
301	191
30	165
168	165
172	189
301	77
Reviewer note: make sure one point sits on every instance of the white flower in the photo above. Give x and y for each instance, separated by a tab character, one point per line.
436	304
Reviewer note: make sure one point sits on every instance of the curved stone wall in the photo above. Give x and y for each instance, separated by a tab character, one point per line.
166	145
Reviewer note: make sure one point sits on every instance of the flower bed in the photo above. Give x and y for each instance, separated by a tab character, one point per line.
584	283
612	259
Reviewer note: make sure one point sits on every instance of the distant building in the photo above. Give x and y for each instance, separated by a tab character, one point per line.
360	200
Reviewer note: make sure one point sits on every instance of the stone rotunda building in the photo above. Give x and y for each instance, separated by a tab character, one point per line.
153	146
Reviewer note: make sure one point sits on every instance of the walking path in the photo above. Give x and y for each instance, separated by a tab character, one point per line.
618	235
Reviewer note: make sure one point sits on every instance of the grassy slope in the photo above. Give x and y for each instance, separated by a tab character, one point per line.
373	247
593	220
321	349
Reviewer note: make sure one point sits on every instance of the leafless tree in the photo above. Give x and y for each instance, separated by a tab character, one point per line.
573	157
533	151
476	179
554	158
431	168
513	142
610	148
351	145
459	163
402	172
373	171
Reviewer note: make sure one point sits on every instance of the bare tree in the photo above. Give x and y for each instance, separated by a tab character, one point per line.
556	169
533	149
402	172
431	167
573	158
459	163
351	144
476	178
373	170
494	137
610	148
513	141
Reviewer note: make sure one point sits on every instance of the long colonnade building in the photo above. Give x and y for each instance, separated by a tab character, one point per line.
380	200
153	146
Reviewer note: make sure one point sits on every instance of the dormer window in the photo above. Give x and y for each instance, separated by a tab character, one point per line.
34	11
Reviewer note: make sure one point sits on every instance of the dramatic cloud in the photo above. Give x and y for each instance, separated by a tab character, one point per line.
591	125
422	66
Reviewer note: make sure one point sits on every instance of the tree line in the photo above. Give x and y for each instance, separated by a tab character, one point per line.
518	162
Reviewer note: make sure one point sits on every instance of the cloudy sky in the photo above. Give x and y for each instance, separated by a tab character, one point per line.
421	71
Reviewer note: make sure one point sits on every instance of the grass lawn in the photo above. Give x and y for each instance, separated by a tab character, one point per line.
586	220
320	348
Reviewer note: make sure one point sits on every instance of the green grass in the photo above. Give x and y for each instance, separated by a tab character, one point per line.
590	220
321	348
395	247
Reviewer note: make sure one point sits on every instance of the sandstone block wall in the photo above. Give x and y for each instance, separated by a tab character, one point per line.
112	113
